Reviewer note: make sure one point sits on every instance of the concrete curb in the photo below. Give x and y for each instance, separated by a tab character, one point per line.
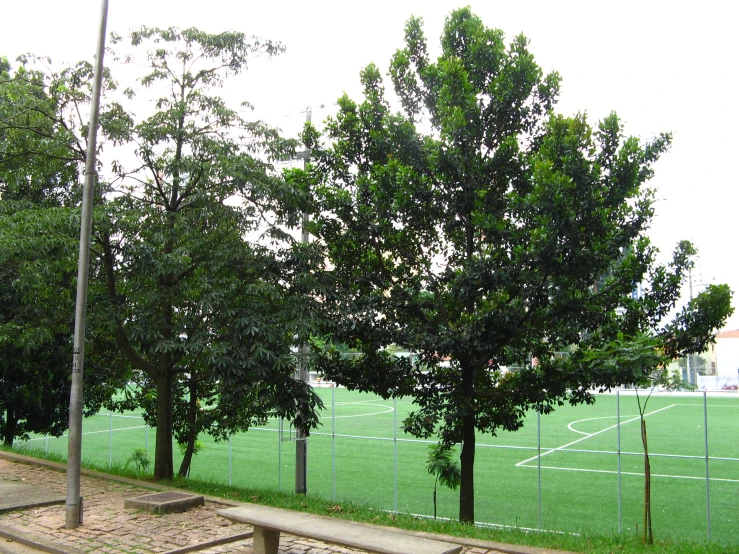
38	543
20	458
210	544
505	548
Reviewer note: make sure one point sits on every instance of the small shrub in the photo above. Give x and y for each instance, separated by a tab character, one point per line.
197	447
441	464
139	457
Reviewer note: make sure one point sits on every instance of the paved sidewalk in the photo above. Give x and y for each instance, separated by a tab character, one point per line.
109	528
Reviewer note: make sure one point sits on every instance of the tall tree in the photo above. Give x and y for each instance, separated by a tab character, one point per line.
471	226
202	288
191	271
39	168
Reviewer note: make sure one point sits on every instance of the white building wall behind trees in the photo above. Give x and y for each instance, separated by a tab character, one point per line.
727	362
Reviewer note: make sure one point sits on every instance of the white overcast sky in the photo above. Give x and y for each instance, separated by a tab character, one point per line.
662	66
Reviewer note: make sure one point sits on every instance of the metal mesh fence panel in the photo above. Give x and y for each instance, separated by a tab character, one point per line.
578	469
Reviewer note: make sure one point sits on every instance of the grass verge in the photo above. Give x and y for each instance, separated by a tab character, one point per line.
590	543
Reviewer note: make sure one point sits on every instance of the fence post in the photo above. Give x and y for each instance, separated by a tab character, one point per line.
395	455
279	455
229	460
333	440
110	440
708	486
618	456
538	471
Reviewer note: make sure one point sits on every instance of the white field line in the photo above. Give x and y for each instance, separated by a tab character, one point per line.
371	402
492	525
389	409
711	405
592	435
637	474
118	415
569	426
90	433
118	429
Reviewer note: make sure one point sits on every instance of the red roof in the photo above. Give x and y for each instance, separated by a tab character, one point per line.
728	335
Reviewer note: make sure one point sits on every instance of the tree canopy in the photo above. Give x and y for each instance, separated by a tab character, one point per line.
204	310
483	231
39	229
192	273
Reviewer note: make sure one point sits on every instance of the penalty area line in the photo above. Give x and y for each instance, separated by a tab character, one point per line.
571	428
589	436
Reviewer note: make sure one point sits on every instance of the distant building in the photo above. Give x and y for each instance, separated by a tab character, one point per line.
723	365
726	350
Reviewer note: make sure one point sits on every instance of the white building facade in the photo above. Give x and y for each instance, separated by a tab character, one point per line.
725	356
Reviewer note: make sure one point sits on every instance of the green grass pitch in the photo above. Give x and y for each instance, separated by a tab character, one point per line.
352	457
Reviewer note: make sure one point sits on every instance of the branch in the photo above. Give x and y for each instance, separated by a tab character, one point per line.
135	359
160	190
185	273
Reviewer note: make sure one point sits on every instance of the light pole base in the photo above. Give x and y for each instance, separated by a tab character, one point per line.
73	516
301	469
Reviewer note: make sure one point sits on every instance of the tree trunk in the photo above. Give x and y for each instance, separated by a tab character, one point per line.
437	480
467	457
648	538
187	458
10	423
163	463
192	435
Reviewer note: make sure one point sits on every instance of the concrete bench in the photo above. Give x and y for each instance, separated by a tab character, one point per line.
269	522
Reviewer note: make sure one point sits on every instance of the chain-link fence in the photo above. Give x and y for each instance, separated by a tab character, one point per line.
579	469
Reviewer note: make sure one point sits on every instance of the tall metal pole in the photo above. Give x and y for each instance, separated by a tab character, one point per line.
538	470
110	440
708	481
618	454
333	442
229	460
301	442
395	455
73	517
279	456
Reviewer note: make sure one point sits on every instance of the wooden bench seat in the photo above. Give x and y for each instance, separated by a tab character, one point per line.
269	522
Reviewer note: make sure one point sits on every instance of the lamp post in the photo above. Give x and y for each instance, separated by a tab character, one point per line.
73	516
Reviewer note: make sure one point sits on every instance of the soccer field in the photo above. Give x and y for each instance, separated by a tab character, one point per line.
560	472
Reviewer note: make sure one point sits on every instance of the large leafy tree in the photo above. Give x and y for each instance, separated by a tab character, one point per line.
202	289
36	322
482	231
39	166
191	273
